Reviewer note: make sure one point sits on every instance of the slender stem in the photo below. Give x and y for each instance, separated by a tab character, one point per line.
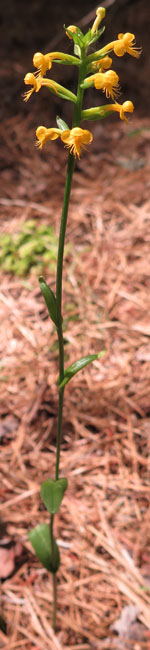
59	298
54	601
54	574
51	535
60	412
68	184
61	248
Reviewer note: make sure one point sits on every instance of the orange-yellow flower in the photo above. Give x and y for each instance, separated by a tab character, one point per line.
126	107
73	29
103	64
43	62
125	43
43	135
32	81
37	82
76	139
106	81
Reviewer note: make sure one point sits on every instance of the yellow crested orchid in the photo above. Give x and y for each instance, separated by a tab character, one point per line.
43	62
100	14
76	139
102	64
37	82
125	43
93	70
126	107
106	81
43	135
73	29
32	81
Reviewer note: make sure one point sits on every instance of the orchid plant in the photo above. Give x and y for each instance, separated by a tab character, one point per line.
94	69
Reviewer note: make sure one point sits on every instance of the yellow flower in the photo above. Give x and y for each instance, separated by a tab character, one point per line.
75	139
126	107
37	82
32	81
125	43
73	29
43	135
100	14
103	64
106	81
43	62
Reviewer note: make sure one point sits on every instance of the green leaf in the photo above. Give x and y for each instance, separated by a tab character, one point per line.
52	493
61	124
49	298
40	540
91	38
79	365
97	35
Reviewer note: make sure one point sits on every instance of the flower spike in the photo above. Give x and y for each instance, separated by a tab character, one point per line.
75	139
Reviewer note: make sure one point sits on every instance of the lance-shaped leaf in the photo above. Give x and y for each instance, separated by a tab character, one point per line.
41	542
52	493
49	298
90	38
61	124
79	365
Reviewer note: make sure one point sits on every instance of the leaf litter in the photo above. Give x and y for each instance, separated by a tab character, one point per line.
103	525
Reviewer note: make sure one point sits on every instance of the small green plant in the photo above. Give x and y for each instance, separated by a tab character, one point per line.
32	247
93	70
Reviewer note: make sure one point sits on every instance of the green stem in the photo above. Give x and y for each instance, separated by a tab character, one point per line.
61	346
59	299
68	184
54	601
76	122
54	574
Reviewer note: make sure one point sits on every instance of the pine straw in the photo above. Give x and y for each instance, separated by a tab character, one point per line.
103	525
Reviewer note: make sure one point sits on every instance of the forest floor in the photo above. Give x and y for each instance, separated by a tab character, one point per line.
103	525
